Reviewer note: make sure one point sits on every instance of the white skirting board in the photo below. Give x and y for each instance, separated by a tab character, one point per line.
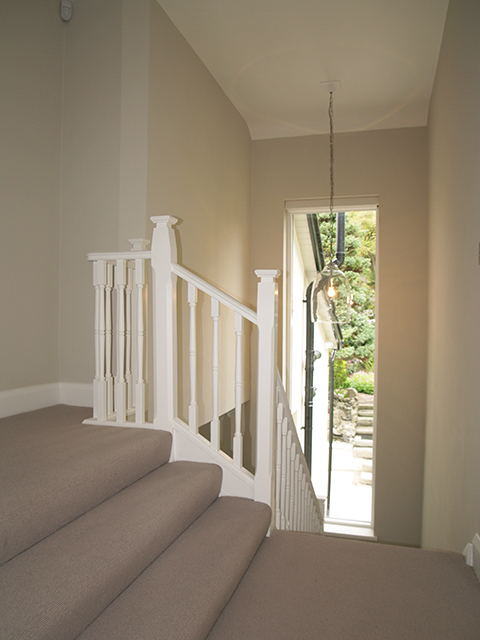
15	401
472	554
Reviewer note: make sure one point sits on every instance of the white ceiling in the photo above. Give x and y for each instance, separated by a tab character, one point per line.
272	56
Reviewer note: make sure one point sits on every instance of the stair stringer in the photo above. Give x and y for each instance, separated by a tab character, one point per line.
195	448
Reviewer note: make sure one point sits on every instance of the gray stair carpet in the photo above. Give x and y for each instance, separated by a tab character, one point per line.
56	588
53	469
306	587
181	594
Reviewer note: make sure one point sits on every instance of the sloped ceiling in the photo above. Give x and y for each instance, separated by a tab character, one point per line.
271	57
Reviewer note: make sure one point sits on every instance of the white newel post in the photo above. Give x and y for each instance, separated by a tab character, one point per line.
164	252
267	310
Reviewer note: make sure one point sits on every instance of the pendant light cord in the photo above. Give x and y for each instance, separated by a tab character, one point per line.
330	116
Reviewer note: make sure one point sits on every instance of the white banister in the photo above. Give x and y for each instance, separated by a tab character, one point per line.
281	478
267	310
213	292
215	422
192	298
238	437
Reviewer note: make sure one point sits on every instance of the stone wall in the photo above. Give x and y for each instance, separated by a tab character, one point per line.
345	414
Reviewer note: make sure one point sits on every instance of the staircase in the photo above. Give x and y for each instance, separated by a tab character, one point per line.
102	537
363	443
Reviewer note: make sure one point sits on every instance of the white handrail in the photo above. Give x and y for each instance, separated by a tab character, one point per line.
215	293
119	255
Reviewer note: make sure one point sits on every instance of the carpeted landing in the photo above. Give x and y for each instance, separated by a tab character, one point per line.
102	538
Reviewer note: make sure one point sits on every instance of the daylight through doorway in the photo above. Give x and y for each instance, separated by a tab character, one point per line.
338	393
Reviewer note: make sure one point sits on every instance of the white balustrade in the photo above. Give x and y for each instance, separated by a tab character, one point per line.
120	337
281	477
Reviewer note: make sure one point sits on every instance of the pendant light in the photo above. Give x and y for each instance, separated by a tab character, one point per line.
331	293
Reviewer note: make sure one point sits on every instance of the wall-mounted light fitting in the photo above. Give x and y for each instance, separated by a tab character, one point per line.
66	10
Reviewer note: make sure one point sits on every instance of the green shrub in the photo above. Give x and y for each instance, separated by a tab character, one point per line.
340	379
362	382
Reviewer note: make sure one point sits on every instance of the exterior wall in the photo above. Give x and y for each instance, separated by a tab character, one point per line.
393	165
451	514
31	38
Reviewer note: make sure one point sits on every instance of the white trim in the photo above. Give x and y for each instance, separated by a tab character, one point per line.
472	554
320	205
353	530
188	446
25	399
14	401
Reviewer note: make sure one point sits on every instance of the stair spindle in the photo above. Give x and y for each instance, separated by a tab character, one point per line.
192	297
100	383
238	437
140	385
215	424
120	380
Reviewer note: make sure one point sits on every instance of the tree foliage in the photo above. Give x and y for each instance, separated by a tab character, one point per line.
359	267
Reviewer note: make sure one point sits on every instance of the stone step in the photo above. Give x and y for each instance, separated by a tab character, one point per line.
363	452
362	442
365	413
365	433
367	466
364	422
366	478
365	406
367	426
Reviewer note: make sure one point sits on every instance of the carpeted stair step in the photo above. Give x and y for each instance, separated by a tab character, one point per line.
306	587
54	469
180	595
55	589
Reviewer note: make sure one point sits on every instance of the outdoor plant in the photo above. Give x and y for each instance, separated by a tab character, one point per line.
362	381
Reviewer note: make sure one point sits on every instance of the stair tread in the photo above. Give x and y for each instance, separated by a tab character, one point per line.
180	596
70	577
55	469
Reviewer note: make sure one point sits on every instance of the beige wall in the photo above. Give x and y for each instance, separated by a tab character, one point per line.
199	160
393	165
30	116
199	163
147	131
452	469
90	171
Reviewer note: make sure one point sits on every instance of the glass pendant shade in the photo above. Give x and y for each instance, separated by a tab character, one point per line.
331	297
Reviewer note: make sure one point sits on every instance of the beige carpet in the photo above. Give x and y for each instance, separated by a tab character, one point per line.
304	587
